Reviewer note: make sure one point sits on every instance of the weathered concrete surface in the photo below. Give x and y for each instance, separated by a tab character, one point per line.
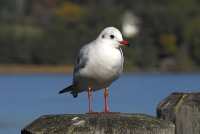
115	123
184	110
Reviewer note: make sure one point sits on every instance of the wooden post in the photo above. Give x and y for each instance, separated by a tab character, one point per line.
99	123
184	110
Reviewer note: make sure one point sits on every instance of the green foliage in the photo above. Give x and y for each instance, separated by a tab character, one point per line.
8	5
168	42
52	33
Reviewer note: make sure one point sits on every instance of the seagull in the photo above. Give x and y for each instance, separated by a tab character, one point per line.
97	65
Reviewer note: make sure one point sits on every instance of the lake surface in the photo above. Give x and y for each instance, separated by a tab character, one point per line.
24	98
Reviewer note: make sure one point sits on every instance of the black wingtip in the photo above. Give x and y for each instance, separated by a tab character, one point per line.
60	92
67	89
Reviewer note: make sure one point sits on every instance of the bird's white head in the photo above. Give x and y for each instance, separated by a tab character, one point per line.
112	36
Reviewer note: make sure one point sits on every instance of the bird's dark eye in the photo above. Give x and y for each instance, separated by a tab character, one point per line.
103	36
112	36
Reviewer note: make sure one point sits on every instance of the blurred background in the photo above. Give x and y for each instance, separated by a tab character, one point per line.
40	38
50	32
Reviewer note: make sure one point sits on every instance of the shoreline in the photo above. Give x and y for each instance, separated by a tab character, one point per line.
68	69
32	69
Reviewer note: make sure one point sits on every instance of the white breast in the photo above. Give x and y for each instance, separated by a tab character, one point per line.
105	63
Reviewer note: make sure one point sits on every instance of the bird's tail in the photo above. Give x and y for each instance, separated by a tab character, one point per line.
69	89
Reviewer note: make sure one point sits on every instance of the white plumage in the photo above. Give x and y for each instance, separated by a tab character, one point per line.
98	63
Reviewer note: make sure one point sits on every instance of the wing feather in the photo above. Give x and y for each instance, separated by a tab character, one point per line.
81	60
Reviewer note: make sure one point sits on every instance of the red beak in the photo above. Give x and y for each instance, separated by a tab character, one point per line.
124	42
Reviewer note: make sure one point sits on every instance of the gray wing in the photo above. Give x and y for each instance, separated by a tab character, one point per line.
81	60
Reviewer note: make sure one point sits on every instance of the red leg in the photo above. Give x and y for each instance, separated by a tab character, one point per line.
106	95
90	99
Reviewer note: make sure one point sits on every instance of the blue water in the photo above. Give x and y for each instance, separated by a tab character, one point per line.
24	98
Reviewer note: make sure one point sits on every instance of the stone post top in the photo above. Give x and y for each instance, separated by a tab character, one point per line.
183	109
88	123
177	99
